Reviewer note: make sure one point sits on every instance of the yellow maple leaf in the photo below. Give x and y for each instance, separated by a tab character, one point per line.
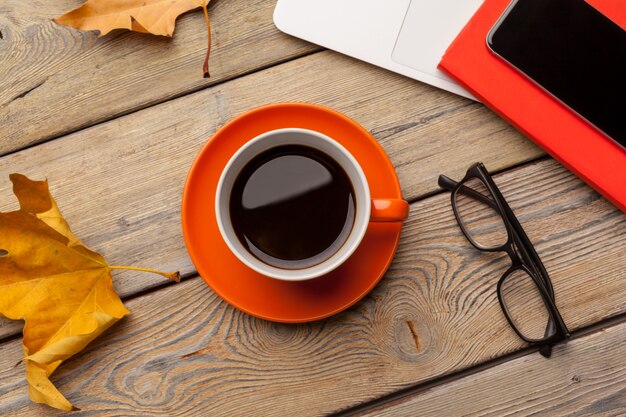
60	287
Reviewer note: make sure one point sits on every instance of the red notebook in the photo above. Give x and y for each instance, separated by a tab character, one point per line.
579	146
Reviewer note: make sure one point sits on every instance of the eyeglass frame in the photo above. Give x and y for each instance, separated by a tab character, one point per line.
525	258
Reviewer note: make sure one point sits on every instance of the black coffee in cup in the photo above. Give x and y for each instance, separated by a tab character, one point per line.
292	206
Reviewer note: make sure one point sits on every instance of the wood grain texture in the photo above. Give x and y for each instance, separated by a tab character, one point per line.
120	183
183	351
55	79
585	377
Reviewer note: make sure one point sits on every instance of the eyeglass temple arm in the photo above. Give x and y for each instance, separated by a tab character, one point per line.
449	184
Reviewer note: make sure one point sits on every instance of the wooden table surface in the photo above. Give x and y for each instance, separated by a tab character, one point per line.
114	125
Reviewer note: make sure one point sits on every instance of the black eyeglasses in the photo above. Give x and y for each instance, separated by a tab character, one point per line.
525	291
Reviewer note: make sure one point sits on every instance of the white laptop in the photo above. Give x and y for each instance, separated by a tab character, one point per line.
405	36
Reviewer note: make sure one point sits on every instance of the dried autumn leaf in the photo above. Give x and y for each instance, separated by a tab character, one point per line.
157	17
149	16
50	279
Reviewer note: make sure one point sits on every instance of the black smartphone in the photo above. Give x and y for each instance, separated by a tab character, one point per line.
573	52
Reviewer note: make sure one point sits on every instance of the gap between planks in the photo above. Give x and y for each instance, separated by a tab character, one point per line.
98	79
156	102
398	396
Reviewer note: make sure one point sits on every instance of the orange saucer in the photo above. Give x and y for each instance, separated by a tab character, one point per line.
267	298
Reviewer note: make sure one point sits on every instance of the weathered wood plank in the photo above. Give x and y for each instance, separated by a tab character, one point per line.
183	351
55	79
120	183
586	377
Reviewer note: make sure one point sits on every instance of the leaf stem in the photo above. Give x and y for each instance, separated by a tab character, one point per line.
205	67
174	276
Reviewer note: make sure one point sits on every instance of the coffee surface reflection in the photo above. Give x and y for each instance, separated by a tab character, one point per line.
292	206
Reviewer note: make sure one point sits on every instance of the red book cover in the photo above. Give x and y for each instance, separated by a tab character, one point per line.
579	146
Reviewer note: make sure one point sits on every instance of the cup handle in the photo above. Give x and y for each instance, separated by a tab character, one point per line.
389	210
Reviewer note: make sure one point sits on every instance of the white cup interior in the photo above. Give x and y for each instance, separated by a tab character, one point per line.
293	136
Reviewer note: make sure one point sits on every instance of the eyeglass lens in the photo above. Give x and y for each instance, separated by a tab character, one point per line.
525	305
479	216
